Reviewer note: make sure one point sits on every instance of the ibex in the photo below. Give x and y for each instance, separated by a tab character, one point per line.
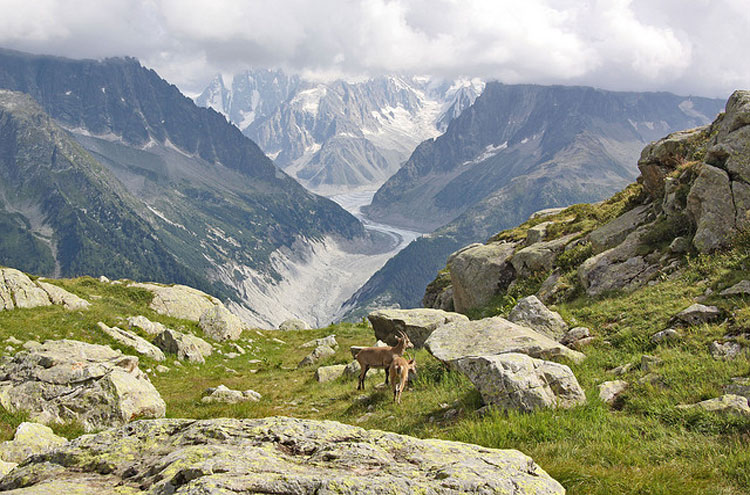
399	372
381	357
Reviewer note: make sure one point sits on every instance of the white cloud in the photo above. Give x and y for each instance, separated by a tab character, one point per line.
696	47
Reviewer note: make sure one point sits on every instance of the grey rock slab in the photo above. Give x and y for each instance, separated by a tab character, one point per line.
537	233
225	395
727	404
17	290
218	323
711	206
574	335
547	212
665	336
724	350
614	232
320	352
741	288
62	297
184	345
139	344
144	324
551	287
697	314
493	336
663	156
293	324
329	373
531	312
539	257
611	390
479	272
518	382
417	324
179	301
6	467
278	455
30	439
67	380
329	340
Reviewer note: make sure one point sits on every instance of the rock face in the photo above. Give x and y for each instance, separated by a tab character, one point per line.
140	345
531	312
179	301
614	232
492	336
518	382
293	324
17	290
417	324
479	272
185	345
275	455
741	288
218	323
29	439
67	380
539	257
329	340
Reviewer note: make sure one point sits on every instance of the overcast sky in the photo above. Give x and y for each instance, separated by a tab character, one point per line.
697	47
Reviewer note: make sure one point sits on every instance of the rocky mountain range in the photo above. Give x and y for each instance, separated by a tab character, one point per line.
518	149
336	136
107	169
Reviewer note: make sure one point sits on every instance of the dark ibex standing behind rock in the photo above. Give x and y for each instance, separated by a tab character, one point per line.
381	357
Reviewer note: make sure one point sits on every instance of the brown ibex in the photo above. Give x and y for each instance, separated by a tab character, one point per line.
399	372
381	357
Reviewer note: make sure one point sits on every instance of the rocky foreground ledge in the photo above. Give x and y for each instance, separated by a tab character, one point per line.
272	455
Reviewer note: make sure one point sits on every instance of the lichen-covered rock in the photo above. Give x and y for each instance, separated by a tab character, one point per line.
67	380
663	156
613	233
293	324
29	439
139	344
727	404
739	386
144	324
610	391
275	455
741	288
537	233
329	340
724	350
18	291
531	312
185	345
518	382
61	297
179	301
711	205
226	395
329	373
539	257
417	324
320	352
479	272
697	314
218	323
493	336
574	335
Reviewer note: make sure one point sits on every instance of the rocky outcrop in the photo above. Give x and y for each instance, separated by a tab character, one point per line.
17	290
275	455
518	382
479	272
218	323
493	336
139	344
664	156
539	257
179	301
613	233
531	312
417	324
30	439
293	324
226	395
67	380
185	345
145	325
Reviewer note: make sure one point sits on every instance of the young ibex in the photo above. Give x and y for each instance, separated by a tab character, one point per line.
399	372
381	357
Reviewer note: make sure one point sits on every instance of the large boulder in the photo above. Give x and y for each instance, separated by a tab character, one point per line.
417	324
663	156
613	233
30	439
225	395
711	205
139	344
319	353
539	257
531	312
218	323
293	324
493	336
185	345
67	380
17	290
330	373
179	301
61	297
274	455
479	272
145	325
621	267
518	382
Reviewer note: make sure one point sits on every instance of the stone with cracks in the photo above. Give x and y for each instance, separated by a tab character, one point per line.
179	301
293	324
67	380
417	324
185	345
223	394
537	233
493	336
30	439
518	382
539	257
61	297
727	404
574	335
478	272
144	324
710	203
531	312
697	314
139	344
329	340
329	373
18	291
218	323
741	288
613	233
274	455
